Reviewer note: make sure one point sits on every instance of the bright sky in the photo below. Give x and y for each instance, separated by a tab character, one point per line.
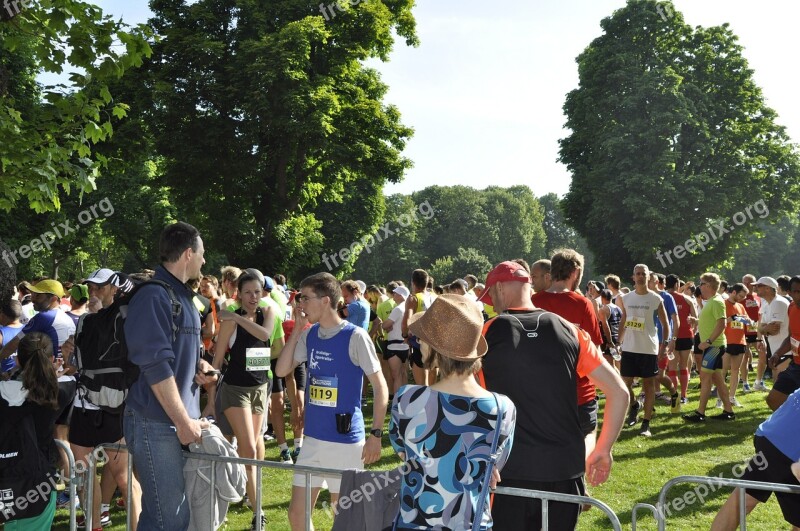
484	90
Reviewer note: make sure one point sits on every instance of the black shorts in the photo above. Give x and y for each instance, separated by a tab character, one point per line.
712	359
751	339
402	354
587	415
90	427
770	465
279	384
788	380
735	350
66	396
684	343
514	513
696	341
638	365
416	357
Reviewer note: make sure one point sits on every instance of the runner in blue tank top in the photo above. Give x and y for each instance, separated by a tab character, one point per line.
339	354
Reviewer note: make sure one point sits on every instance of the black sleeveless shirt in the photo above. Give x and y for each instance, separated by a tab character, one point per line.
237	373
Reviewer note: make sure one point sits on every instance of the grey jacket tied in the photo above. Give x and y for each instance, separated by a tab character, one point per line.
368	500
229	481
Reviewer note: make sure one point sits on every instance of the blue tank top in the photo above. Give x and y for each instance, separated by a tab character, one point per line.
334	386
9	332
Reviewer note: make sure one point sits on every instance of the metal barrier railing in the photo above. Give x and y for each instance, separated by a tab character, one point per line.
720	482
71	485
547	497
649	507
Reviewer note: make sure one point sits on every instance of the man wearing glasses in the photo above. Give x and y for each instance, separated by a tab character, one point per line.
339	354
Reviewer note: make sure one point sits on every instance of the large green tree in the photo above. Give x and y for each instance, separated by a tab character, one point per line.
669	135
264	109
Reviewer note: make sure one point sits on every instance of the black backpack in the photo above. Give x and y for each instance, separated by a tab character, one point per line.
104	371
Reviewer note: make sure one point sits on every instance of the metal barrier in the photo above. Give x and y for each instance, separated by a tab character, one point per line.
558	497
720	482
71	487
308	471
651	508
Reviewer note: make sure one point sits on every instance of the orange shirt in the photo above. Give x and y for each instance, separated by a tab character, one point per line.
734	330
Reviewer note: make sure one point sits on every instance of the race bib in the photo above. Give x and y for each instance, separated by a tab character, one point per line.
751	328
323	391
736	325
635	323
257	359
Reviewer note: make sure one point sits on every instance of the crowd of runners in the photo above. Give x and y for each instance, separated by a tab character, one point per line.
268	358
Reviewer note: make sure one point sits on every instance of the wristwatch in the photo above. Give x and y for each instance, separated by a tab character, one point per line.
377	432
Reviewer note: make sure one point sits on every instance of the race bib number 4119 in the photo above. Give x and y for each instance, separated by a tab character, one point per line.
323	391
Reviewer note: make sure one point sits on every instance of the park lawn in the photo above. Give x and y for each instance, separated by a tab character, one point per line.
641	468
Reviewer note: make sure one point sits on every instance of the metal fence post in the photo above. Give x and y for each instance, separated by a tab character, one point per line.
71	488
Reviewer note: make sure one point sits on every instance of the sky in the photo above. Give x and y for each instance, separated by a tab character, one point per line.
484	90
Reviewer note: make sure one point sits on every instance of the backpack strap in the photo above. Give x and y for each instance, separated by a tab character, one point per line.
176	307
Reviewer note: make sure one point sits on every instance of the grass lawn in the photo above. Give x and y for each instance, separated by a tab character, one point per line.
641	468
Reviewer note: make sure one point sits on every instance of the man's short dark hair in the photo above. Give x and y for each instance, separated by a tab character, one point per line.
672	281
391	286
175	239
279	279
471	281
794	279
737	288
783	282
661	278
419	277
11	309
524	264
324	285
612	281
564	262
606	295
543	264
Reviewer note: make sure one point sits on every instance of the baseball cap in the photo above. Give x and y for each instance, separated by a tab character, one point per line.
767	281
269	283
402	291
503	272
52	287
362	286
100	276
79	292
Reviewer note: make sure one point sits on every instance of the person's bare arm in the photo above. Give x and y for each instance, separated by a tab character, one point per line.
411	305
259	331
9	349
380	396
387	325
599	462
623	318
603	316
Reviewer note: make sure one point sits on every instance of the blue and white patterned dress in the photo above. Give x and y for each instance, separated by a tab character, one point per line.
447	440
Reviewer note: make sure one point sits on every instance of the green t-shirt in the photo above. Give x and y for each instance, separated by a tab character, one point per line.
383	311
277	331
279	298
713	310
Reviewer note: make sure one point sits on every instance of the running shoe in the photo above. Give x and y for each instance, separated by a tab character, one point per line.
674	403
286	457
263	523
714	392
684	400
105	519
725	415
735	402
719	403
746	387
62	501
296	452
694	417
633	412
759	386
645	431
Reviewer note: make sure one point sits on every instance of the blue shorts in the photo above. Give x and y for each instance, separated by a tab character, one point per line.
712	359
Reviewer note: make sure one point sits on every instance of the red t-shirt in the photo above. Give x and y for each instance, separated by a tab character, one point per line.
752	303
576	309
794	331
682	304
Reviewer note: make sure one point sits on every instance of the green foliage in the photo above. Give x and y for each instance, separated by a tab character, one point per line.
49	134
265	109
668	124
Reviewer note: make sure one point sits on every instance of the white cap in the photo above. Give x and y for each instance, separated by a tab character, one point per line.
402	291
101	276
767	281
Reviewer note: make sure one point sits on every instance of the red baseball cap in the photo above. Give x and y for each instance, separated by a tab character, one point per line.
503	272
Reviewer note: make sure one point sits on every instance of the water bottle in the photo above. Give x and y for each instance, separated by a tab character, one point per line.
670	355
615	353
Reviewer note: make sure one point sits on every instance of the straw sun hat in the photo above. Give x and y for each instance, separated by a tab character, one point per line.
452	327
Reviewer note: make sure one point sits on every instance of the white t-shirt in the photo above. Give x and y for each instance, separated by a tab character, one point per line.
776	311
396	333
641	336
362	350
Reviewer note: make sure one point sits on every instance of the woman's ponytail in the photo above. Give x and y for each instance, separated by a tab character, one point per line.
35	357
